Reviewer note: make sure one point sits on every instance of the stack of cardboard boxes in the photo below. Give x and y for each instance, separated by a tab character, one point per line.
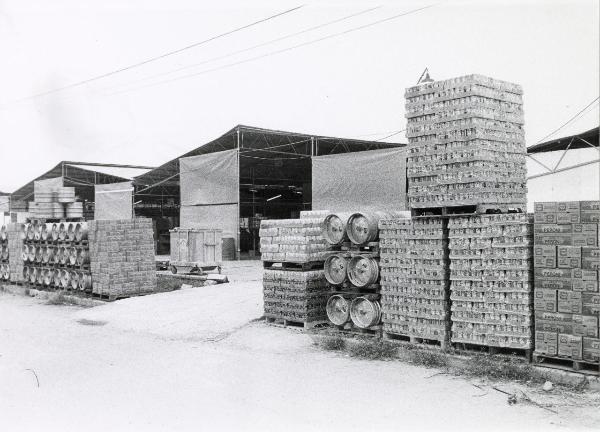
122	257
292	240
414	278
295	294
14	236
298	296
567	260
491	280
466	143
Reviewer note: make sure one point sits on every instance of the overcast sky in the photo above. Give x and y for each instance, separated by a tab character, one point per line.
350	85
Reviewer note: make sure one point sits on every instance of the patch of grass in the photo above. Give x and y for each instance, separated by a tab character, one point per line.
485	366
373	350
427	358
334	343
166	284
89	322
57	298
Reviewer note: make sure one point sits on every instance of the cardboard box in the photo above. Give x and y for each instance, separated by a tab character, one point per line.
585	274
546	342
590	258
545	262
568	207
590	303
585	325
591	349
565	284
570	346
584	285
589	211
553	238
545	300
585	234
547	273
569	302
545	207
545	218
554	322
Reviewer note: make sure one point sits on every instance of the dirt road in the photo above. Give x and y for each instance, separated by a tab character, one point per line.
194	360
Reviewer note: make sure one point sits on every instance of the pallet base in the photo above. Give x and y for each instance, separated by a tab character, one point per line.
415	340
283	322
580	366
467	210
493	350
349	329
291	266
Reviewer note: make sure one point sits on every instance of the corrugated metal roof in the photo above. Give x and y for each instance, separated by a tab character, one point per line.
580	140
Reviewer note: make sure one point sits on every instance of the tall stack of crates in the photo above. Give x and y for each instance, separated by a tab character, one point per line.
294	286
567	298
415	279
14	234
122	257
466	143
491	280
4	255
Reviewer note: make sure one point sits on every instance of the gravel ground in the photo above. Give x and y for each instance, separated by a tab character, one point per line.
196	359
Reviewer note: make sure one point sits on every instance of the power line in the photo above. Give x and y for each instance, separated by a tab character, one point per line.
354	29
389	136
152	59
568	121
221	57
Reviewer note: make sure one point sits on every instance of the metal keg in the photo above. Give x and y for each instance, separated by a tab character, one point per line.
336	268
365	313
334	228
81	231
338	309
363	270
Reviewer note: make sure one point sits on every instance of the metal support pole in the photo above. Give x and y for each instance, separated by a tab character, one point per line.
239	209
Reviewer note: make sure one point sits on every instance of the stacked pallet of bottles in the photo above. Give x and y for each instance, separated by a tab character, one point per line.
352	271
56	256
294	288
4	255
415	280
491	280
567	299
466	144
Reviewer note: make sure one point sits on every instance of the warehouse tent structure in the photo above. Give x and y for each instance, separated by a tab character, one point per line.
83	176
274	180
565	169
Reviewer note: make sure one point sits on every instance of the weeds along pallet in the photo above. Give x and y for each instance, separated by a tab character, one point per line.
566	272
491	274
466	143
299	296
292	240
414	278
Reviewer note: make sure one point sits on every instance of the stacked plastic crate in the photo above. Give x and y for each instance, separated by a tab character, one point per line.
294	287
466	144
4	254
567	299
415	279
491	280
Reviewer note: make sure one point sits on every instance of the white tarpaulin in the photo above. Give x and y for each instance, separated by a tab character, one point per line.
211	178
209	191
113	201
367	180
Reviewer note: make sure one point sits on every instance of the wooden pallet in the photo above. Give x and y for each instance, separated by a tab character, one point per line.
349	329
283	322
468	210
442	344
348	288
371	248
567	364
54	220
493	350
292	266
